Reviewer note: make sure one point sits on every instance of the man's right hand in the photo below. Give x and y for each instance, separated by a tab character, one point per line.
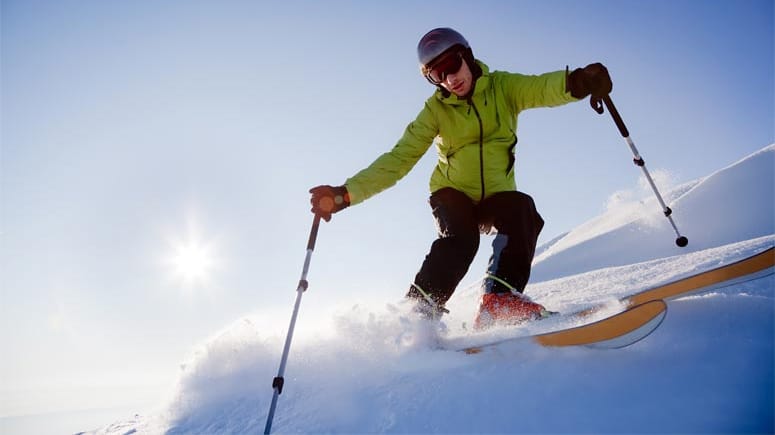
327	200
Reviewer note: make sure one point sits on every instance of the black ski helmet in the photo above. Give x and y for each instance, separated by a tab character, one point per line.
436	42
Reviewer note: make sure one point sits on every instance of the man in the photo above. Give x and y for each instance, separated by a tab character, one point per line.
472	116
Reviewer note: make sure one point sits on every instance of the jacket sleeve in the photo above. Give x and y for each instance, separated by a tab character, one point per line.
530	91
396	163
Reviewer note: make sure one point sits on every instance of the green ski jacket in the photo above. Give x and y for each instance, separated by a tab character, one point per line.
475	138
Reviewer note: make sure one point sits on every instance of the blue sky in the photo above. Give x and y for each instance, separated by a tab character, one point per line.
134	131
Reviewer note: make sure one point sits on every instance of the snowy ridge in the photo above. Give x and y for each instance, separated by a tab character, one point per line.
371	369
730	205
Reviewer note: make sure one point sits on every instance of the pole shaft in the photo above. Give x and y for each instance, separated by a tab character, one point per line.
277	384
638	159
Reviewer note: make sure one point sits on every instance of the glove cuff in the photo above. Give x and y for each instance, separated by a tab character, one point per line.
574	83
341	197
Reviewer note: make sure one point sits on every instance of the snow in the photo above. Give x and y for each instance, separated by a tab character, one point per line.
733	204
372	367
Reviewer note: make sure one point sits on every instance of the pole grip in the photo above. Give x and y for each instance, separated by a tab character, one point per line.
615	115
313	233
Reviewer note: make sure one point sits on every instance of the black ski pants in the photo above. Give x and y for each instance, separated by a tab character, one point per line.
460	221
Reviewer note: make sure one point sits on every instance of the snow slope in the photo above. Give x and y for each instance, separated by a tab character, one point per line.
735	203
709	368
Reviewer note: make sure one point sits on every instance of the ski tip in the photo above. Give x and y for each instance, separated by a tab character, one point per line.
658	309
619	330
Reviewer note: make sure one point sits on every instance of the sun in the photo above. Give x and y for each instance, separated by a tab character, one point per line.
192	261
191	257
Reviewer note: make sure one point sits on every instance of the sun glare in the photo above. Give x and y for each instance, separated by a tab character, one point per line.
192	262
191	258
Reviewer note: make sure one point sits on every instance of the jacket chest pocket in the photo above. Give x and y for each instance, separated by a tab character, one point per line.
462	129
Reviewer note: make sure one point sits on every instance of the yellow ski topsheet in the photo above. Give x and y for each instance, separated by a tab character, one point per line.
625	326
719	276
647	308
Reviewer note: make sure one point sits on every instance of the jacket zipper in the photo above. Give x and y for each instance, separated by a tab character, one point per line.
481	147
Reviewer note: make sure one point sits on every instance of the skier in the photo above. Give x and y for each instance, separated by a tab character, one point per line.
472	116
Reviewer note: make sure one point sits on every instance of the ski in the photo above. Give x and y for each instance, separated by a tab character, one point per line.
647	309
753	267
617	331
756	266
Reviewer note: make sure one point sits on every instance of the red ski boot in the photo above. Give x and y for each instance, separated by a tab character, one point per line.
507	309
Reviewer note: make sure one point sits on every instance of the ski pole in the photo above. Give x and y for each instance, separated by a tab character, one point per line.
681	241
279	380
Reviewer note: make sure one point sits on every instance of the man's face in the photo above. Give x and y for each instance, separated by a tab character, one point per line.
452	73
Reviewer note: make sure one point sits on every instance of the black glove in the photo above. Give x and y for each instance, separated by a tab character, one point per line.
593	80
329	199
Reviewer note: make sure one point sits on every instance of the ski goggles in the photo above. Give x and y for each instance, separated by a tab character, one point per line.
449	63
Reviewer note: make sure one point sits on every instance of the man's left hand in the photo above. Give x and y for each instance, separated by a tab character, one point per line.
593	80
